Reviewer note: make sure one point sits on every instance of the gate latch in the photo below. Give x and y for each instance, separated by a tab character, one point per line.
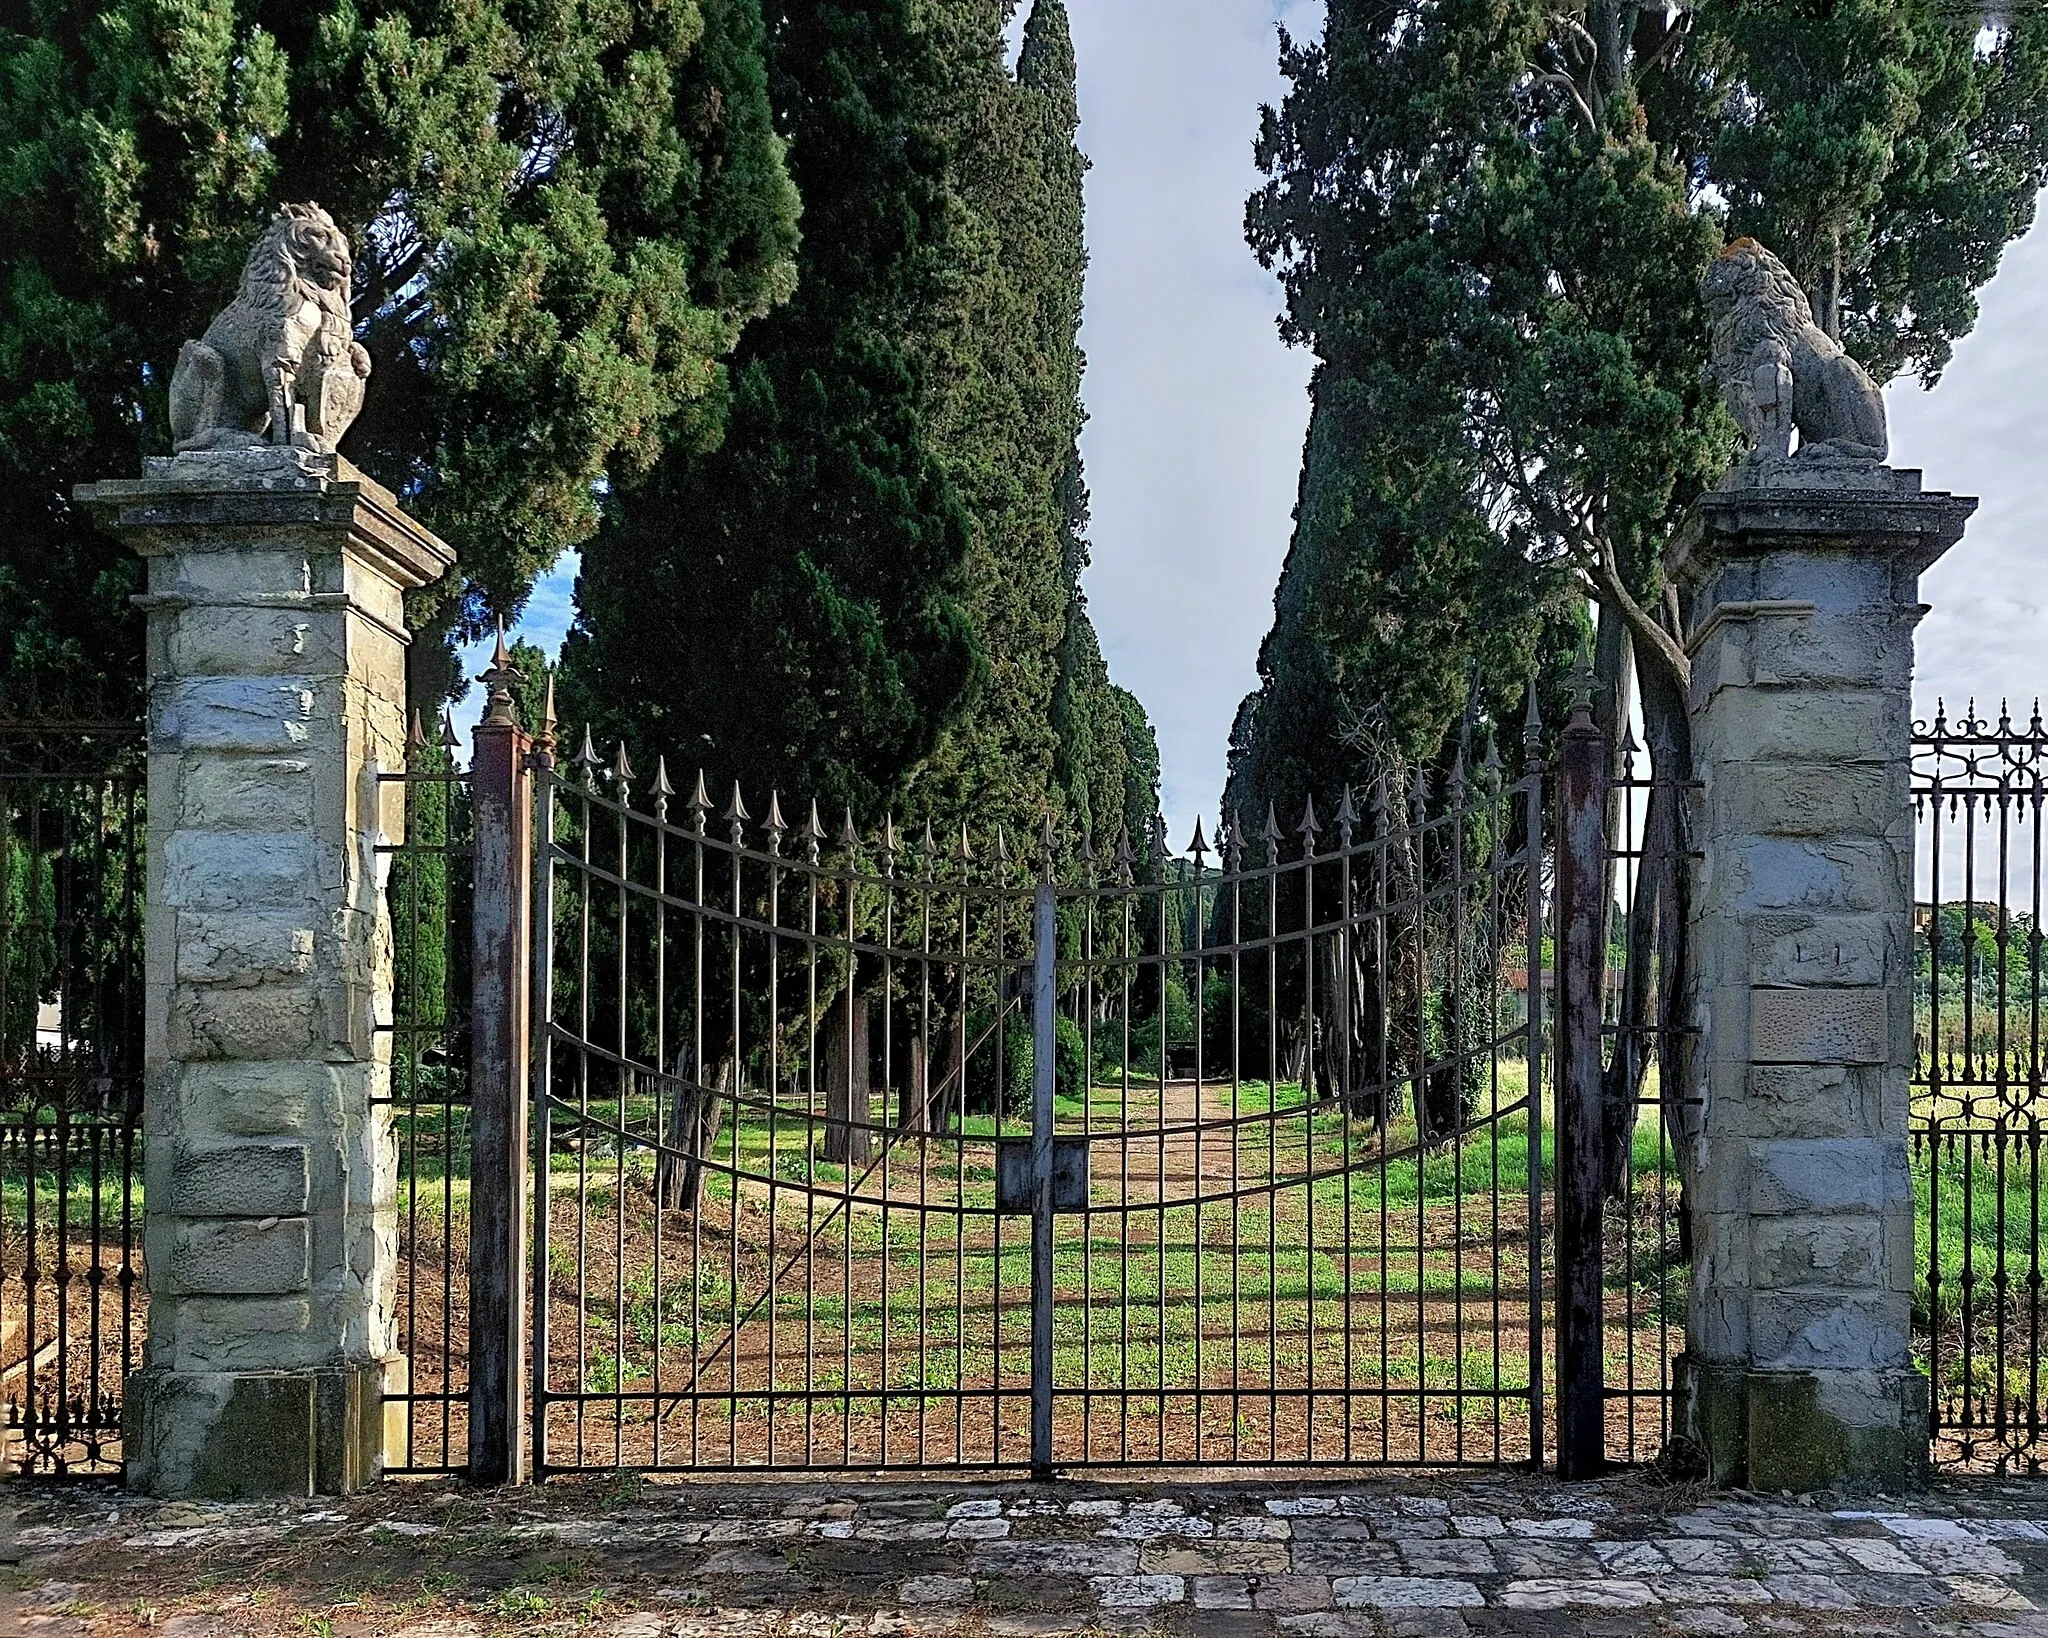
1069	1174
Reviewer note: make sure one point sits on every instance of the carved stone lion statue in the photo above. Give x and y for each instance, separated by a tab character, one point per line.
280	364
1779	371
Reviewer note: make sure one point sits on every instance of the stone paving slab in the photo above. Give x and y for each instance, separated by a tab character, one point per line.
1387	1556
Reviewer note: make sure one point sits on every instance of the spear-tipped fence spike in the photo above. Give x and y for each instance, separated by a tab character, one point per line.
416	732
1048	839
1457	780
1198	846
1087	846
1309	825
849	838
1347	813
814	830
1272	831
501	660
1156	835
586	754
1002	845
661	788
929	846
1532	722
889	837
775	824
1379	799
622	770
1126	858
448	738
1490	765
2004	718
737	815
1233	841
963	850
700	798
547	708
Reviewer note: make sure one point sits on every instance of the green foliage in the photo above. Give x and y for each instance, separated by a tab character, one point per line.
562	219
1490	218
871	593
788	609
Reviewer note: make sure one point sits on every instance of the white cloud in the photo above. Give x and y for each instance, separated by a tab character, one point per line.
1196	409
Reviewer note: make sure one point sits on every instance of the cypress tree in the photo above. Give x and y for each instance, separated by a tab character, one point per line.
787	610
871	592
1491	218
562	220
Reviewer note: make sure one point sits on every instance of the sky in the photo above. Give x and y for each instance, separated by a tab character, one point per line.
1197	411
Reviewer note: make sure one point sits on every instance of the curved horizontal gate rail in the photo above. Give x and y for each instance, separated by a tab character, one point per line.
1978	1107
72	1299
831	1135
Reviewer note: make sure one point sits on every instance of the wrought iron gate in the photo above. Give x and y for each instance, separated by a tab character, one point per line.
71	1294
1978	1103
920	1151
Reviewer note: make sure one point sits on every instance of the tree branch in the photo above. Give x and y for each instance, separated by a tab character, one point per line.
1566	82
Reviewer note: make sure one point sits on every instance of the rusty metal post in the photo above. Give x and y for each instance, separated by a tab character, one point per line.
500	931
1581	879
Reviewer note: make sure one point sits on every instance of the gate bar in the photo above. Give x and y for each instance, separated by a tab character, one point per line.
499	933
1044	995
1581	1329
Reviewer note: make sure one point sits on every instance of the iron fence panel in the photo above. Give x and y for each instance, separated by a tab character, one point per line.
72	1299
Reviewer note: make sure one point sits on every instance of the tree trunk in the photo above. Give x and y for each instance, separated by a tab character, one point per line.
696	1115
848	1136
913	1106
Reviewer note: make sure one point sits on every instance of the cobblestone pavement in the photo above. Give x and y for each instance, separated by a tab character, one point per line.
1394	1556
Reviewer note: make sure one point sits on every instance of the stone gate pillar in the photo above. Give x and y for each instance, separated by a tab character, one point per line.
276	696
1802	590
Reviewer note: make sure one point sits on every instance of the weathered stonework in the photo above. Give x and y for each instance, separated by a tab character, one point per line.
1802	584
277	696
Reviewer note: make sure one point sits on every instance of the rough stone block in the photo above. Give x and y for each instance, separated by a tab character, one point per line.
1803	1431
1845	1252
1836	950
1811	1101
257	1099
240	1180
244	793
223	1022
1829	1175
234	870
1805	1331
1845	1026
254	947
264	715
228	1435
241	1258
1762	874
1833	727
1831	651
1803	799
246	1334
226	640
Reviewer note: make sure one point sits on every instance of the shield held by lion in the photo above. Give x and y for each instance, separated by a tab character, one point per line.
280	364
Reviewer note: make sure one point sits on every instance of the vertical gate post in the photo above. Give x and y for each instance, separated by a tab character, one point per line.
276	705
1044	1000
1581	882
500	931
1802	590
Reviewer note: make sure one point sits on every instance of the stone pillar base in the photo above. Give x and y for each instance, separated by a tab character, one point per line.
1787	1430
245	1434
